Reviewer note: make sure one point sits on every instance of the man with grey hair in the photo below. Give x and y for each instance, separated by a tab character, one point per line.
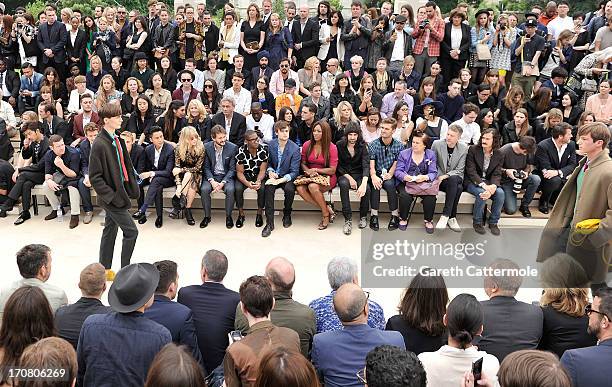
340	271
213	307
338	354
509	325
69	318
286	312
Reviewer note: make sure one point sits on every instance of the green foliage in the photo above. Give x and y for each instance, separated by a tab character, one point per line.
336	4
278	6
35	7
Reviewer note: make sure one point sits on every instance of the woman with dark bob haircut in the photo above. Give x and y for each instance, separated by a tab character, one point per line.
446	366
174	366
283	367
27	318
421	311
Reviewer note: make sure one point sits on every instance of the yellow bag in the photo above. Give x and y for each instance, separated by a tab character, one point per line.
587	226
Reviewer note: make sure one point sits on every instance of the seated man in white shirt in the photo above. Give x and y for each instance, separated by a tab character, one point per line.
198	82
241	96
471	130
260	122
328	78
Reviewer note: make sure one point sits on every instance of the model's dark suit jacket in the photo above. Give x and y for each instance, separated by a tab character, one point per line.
12	82
236	133
179	321
165	164
589	366
309	39
105	173
509	325
55	37
548	158
69	318
464	47
229	160
214	311
78	49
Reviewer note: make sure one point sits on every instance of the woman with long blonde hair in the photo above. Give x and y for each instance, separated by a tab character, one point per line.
189	158
341	117
197	117
107	92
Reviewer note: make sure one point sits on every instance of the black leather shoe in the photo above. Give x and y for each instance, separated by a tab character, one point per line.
189	217
494	229
159	222
374	222
479	228
2	212
174	214
543	207
267	230
138	214
229	222
239	222
204	222
393	223
143	219
25	215
52	215
525	211
258	220
286	221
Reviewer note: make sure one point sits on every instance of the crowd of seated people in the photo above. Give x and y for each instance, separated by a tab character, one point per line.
214	100
208	335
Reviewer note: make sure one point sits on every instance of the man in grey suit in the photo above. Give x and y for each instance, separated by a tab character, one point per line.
450	156
509	325
219	171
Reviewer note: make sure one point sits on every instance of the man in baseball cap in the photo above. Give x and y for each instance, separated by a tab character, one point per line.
119	347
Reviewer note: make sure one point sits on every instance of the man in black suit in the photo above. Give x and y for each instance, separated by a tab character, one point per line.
175	316
211	34
555	161
558	76
69	318
164	38
91	132
234	123
159	160
75	45
52	38
305	34
238	68
137	155
213	307
35	146
52	124
263	57
219	173
9	84
509	325
266	12
355	33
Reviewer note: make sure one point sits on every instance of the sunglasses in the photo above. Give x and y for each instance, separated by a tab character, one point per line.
284	66
186	80
589	309
208	86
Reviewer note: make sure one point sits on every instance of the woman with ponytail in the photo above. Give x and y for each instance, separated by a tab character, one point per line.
464	321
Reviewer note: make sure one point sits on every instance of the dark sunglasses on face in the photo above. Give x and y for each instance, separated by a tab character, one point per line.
208	86
284	66
589	309
186	80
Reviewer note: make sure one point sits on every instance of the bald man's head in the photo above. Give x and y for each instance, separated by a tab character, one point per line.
349	302
281	274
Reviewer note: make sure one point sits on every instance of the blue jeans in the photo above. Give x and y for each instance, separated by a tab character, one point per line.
479	205
85	195
530	185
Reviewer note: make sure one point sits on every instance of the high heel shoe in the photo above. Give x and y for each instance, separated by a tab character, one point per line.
189	217
332	213
323	225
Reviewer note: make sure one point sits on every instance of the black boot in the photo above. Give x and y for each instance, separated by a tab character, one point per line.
189	217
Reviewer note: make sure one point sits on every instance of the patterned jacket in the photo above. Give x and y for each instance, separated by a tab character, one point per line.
199	30
436	34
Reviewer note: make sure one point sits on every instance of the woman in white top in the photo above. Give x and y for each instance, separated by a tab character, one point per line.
447	366
229	41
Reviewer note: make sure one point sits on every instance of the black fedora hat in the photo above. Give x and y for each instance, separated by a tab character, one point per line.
140	55
133	287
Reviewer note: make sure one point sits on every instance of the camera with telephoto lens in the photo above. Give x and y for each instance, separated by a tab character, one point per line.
423	24
519	176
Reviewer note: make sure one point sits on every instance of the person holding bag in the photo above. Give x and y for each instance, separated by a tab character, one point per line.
529	48
319	162
482	42
416	176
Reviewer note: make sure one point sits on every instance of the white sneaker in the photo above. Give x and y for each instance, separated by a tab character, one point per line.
441	225
454	225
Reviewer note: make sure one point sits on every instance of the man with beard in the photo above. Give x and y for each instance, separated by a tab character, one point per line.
589	366
277	81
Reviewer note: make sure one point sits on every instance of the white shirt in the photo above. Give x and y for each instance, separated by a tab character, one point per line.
73	35
265	125
74	105
456	36
5	90
446	366
328	80
560	151
86	119
157	154
558	24
398	48
242	99
7	113
471	132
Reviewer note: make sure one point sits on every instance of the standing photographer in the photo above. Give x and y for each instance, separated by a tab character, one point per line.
528	51
516	175
428	35
24	33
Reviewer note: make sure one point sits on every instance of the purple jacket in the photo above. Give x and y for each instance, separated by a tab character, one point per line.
405	166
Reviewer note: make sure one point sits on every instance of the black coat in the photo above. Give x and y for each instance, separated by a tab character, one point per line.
12	82
211	38
388	45
474	163
38	161
238	127
55	37
546	157
309	39
464	47
78	49
165	163
58	126
69	319
105	173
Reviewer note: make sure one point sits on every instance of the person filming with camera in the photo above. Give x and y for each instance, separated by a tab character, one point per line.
517	174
